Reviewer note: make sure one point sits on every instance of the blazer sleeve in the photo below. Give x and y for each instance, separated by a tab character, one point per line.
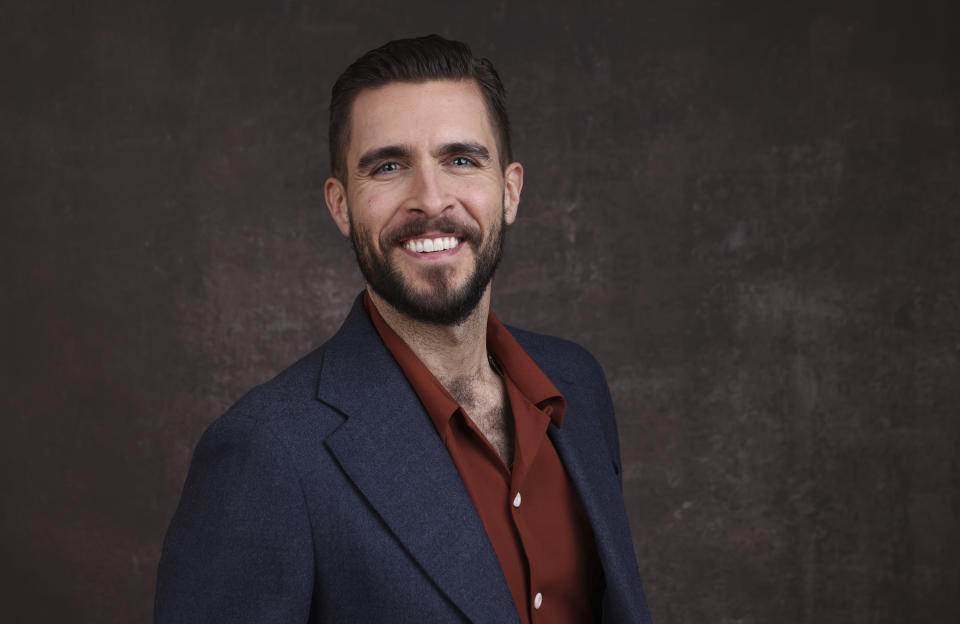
239	547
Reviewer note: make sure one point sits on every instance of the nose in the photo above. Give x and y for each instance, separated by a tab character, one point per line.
429	195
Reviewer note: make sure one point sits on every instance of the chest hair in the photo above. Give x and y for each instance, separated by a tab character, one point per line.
486	404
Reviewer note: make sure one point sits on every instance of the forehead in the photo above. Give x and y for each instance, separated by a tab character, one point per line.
419	114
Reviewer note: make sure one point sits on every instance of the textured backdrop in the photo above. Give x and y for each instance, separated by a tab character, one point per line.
748	211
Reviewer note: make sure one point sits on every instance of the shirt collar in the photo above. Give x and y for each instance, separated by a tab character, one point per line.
532	382
513	361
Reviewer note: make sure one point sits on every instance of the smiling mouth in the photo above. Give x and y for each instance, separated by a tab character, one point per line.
431	245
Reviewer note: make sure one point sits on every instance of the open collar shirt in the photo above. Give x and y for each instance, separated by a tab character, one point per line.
531	511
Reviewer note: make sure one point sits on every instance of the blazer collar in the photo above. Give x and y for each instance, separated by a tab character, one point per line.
389	448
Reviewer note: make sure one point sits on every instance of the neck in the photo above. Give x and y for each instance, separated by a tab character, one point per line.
450	352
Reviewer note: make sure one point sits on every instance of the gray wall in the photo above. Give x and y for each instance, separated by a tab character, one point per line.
749	212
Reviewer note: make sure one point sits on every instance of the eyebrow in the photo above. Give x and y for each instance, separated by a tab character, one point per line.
466	148
381	153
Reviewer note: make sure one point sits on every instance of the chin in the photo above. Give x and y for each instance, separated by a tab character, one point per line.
439	306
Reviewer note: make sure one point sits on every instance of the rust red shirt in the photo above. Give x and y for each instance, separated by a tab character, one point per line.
532	513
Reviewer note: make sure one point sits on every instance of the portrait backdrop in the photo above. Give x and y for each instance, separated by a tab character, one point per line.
749	212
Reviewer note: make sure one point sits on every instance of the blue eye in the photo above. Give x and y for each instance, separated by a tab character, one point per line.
461	161
387	167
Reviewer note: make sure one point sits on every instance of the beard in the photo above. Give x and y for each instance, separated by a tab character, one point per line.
443	303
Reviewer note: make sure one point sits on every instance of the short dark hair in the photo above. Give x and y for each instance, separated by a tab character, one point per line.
415	60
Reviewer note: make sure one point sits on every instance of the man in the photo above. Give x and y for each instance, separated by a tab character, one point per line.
426	464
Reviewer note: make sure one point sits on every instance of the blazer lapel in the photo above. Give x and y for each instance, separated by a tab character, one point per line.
582	449
390	450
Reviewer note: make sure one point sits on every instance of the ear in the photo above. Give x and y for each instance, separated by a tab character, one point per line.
336	196
512	185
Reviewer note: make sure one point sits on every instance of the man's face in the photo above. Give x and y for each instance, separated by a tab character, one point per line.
426	201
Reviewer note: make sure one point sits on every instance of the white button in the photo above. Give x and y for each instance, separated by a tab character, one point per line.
537	601
516	500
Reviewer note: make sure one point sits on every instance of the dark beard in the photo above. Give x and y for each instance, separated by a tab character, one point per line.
446	305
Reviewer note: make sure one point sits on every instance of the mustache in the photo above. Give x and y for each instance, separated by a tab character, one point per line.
420	226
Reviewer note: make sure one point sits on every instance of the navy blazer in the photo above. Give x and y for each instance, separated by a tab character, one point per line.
326	495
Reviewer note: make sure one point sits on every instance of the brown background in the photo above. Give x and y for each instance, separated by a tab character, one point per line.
748	211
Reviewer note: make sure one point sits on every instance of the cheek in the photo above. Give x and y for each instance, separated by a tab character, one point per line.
367	207
486	208
481	195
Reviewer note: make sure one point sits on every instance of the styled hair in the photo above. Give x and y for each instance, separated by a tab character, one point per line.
414	60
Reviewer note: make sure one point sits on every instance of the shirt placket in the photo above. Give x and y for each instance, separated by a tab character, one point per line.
530	426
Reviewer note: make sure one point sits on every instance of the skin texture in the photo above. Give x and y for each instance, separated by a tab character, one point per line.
423	161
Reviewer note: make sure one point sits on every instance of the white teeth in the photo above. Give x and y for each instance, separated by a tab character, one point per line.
427	245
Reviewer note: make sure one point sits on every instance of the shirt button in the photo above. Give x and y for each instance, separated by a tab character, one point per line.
537	601
516	500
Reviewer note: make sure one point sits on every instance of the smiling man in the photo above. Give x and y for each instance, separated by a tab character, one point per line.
426	464
430	197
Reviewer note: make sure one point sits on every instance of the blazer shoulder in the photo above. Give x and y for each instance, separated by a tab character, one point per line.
274	405
564	358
